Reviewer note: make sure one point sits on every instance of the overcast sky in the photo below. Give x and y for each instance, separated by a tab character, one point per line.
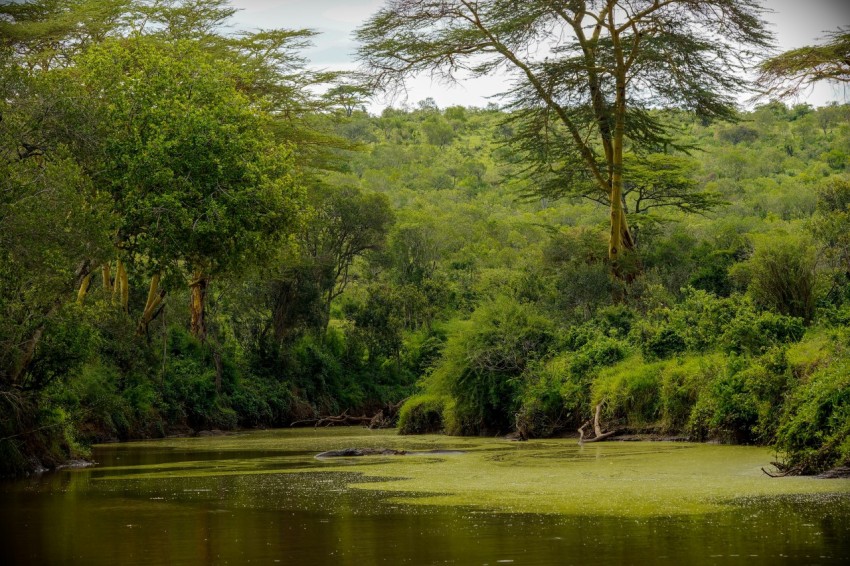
796	23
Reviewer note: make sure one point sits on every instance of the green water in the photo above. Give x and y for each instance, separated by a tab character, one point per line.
264	498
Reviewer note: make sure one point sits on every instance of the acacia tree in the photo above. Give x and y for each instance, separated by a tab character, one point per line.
585	72
788	73
46	34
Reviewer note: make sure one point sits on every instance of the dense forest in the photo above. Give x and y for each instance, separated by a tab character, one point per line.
198	232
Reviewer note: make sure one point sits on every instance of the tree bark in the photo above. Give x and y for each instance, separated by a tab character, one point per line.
597	428
28	353
122	287
197	304
84	289
621	241
156	294
106	276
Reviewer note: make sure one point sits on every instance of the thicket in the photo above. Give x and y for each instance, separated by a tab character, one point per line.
710	341
342	261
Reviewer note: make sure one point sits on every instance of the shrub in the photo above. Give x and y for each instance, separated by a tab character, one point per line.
630	391
484	362
782	274
553	398
735	412
755	332
814	432
743	400
665	343
422	414
683	383
703	322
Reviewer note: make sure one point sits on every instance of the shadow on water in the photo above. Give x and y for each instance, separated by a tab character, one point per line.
235	505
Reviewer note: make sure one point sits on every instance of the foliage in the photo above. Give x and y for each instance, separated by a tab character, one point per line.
790	72
195	178
814	433
578	107
782	275
353	256
484	362
422	414
703	322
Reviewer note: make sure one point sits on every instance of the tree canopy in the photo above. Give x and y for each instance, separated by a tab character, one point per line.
791	72
585	73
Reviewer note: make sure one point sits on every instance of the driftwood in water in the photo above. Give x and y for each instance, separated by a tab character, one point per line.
597	428
384	418
835	473
343	419
841	472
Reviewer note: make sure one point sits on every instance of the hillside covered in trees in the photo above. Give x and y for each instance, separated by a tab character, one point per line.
192	239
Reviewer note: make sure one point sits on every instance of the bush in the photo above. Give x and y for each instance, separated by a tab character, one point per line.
553	398
814	432
743	401
782	276
422	414
94	395
683	383
703	322
630	391
664	344
485	361
755	332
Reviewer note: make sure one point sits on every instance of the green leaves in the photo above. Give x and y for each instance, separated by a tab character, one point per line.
791	72
196	178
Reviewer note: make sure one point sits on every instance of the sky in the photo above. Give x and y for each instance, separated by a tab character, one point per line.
795	23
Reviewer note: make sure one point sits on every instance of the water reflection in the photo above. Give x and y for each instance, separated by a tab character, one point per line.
81	516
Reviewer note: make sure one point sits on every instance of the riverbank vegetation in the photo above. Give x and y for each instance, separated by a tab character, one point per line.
191	238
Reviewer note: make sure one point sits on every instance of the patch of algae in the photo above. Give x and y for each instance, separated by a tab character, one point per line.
632	479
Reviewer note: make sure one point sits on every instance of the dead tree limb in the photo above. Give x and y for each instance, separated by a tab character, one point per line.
597	428
384	418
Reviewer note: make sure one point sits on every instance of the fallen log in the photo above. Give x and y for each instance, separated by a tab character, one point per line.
343	419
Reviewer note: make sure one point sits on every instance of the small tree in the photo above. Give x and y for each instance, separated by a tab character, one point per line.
782	274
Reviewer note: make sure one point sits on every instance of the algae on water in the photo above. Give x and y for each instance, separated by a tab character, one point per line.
555	476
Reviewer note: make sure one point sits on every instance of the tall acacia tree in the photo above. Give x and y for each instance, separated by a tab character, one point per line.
585	72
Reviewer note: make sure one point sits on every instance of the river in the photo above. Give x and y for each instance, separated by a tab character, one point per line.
263	497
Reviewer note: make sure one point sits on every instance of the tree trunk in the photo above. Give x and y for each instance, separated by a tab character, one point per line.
84	289
29	352
156	294
617	243
598	435
197	303
106	276
621	239
122	287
